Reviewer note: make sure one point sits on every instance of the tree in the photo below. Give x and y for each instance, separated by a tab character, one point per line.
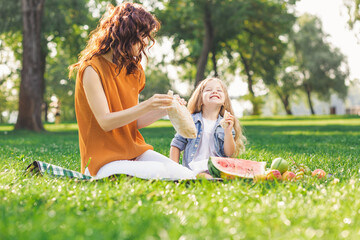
353	7
246	32
323	68
9	82
65	38
43	22
287	77
259	46
157	81
200	26
32	83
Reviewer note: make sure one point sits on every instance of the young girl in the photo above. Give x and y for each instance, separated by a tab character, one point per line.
108	83
207	105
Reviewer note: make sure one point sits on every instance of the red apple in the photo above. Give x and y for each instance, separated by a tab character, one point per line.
273	174
319	173
289	176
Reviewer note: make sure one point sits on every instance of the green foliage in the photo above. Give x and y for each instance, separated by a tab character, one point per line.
157	81
259	46
257	102
10	16
242	21
288	78
34	207
65	38
323	67
310	64
353	7
245	34
65	27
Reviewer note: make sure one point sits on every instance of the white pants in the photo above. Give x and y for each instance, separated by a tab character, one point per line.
149	165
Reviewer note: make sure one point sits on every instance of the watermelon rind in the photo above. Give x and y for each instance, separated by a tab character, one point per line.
219	172
213	170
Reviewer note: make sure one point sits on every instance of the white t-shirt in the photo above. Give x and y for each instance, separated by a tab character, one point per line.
206	148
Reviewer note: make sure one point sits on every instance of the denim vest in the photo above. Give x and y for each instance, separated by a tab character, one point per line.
190	146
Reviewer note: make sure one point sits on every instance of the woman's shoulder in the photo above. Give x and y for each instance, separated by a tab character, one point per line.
94	61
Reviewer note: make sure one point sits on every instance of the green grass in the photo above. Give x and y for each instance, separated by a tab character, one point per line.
33	207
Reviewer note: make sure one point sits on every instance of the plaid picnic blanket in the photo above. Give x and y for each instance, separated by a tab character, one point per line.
38	167
42	168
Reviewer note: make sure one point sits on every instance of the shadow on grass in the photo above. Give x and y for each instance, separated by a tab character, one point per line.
296	118
308	128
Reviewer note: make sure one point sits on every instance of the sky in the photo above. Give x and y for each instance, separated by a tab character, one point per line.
334	17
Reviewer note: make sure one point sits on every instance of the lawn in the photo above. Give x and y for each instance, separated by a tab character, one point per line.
35	207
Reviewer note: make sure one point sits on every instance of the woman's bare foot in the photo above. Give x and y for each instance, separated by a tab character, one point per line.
204	175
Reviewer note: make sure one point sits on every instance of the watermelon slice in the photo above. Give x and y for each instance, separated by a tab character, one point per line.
230	168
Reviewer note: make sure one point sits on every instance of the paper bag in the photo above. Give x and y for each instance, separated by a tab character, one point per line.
181	119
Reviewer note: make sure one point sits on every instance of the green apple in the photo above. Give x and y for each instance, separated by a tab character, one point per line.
280	164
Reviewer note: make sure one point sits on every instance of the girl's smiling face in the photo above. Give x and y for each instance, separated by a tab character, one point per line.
213	94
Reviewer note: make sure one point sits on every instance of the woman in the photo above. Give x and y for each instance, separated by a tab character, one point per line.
109	80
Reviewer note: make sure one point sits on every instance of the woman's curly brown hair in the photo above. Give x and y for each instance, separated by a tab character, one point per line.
119	30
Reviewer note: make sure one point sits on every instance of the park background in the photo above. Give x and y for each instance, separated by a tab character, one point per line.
278	57
273	56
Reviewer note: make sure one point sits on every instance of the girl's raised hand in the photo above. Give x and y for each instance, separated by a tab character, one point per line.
229	122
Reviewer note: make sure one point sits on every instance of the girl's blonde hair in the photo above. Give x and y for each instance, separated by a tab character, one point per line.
195	106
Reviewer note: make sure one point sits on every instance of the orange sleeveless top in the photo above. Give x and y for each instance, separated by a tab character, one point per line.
121	91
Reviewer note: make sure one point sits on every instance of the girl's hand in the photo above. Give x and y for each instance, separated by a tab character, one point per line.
159	101
229	123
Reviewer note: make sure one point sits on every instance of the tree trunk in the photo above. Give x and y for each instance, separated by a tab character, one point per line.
32	77
286	103
254	102
248	74
213	58
207	45
308	92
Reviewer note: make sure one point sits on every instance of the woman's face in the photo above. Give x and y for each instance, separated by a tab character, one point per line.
137	46
213	94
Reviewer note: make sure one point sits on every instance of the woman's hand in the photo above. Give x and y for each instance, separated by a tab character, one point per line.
156	108
159	102
180	100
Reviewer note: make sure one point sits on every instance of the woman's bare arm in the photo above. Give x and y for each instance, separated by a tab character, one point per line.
150	117
110	120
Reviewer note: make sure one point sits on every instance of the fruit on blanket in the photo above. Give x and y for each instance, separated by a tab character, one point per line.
299	175
280	164
274	174
289	176
305	169
260	178
319	173
230	168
